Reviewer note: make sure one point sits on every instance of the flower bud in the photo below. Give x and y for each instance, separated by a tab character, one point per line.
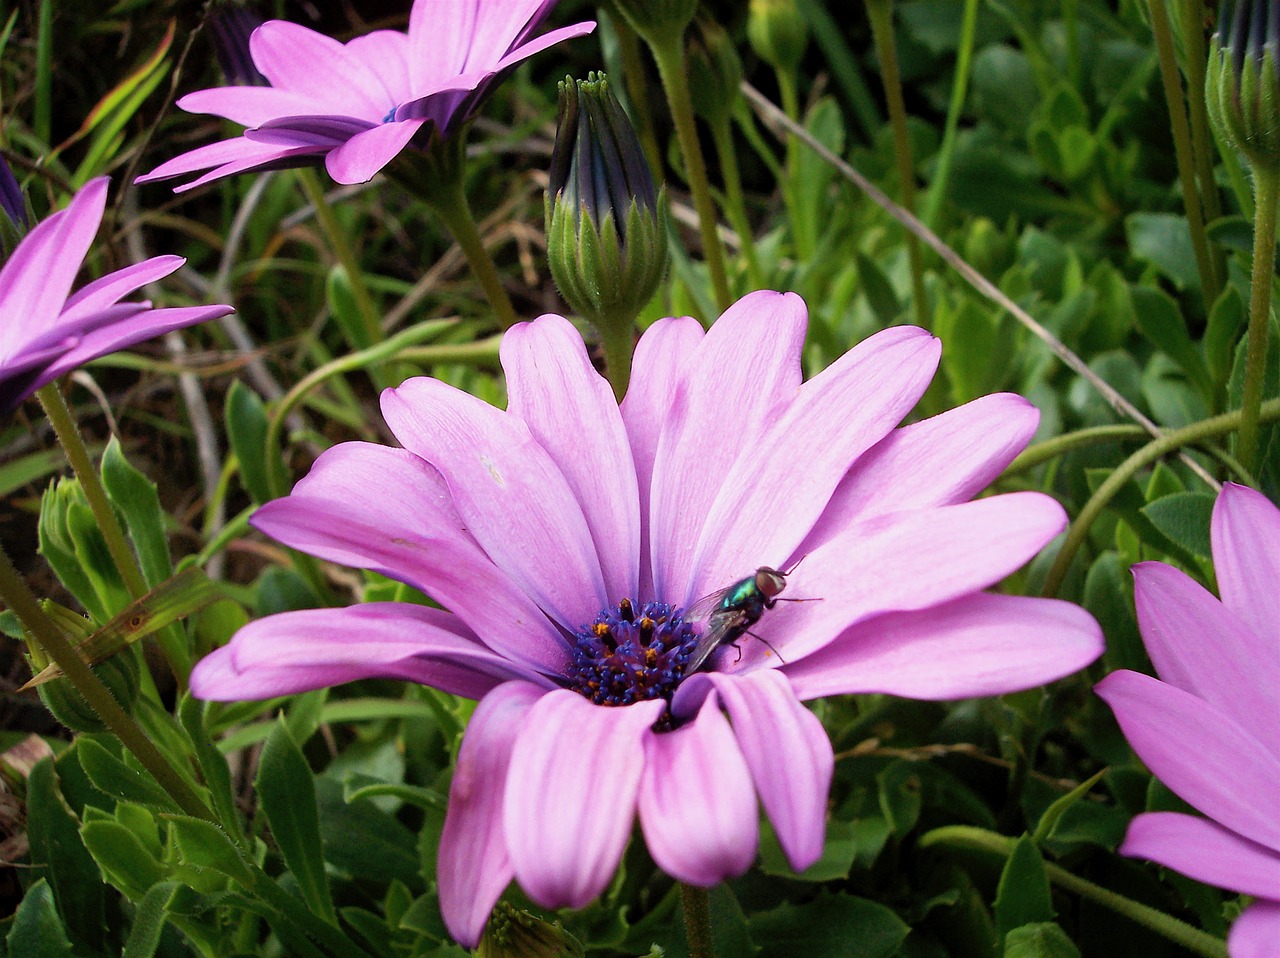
511	933
778	33
606	228
13	224
715	70
1242	82
657	18
120	674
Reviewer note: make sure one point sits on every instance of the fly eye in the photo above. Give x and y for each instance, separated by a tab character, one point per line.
770	581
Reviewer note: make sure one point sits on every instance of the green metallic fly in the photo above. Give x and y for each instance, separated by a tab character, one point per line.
730	612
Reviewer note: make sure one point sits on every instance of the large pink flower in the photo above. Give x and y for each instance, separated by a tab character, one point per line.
566	535
1211	729
43	333
358	104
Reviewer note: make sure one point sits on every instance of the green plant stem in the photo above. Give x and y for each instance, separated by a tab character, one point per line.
735	204
68	433
451	205
370	325
618	341
959	89
633	76
668	53
1201	132
16	595
1170	442
967	836
697	920
803	230
1182	145
1266	187
880	13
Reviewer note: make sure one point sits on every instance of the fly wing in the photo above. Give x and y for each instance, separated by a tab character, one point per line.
706	607
720	626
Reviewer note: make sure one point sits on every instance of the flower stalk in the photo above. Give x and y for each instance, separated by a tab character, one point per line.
697	920
880	12
1179	932
16	595
1266	182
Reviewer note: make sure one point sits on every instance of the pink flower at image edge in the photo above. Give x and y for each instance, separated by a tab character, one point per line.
531	524
45	332
359	103
1209	728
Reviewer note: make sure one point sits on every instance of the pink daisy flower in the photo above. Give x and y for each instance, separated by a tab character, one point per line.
1209	728
44	333
358	104
568	537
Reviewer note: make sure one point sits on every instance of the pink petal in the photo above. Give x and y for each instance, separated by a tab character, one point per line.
473	867
37	277
252	105
439	40
1256	931
904	562
544	42
1246	557
497	25
19	374
766	505
751	359
940	461
113	287
1202	647
788	753
571	795
364	155
373	507
660	362
983	644
697	804
303	61
312	648
1203	755
512	497
571	412
118	335
386	54
1204	850
227	157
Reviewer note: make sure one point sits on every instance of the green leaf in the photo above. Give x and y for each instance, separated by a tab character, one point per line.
1226	319
1159	319
1164	241
247	429
60	856
122	858
364	841
899	795
119	780
213	764
24	470
1049	820
1184	517
343	306
135	496
831	925
204	845
37	930
149	920
287	791
877	289
1039	940
1023	893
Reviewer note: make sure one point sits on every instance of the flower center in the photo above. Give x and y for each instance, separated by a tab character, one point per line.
628	655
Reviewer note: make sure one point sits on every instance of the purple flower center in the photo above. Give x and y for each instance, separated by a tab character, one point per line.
628	656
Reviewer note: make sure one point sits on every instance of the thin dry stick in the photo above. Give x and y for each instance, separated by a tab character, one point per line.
774	117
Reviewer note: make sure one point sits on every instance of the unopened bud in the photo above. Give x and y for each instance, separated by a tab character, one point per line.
1242	82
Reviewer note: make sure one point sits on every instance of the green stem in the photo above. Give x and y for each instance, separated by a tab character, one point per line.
1266	187
1182	144
668	53
16	595
619	343
697	920
451	205
1166	444
371	327
735	204
881	15
803	229
1179	932
959	89
68	433
633	75
1201	132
